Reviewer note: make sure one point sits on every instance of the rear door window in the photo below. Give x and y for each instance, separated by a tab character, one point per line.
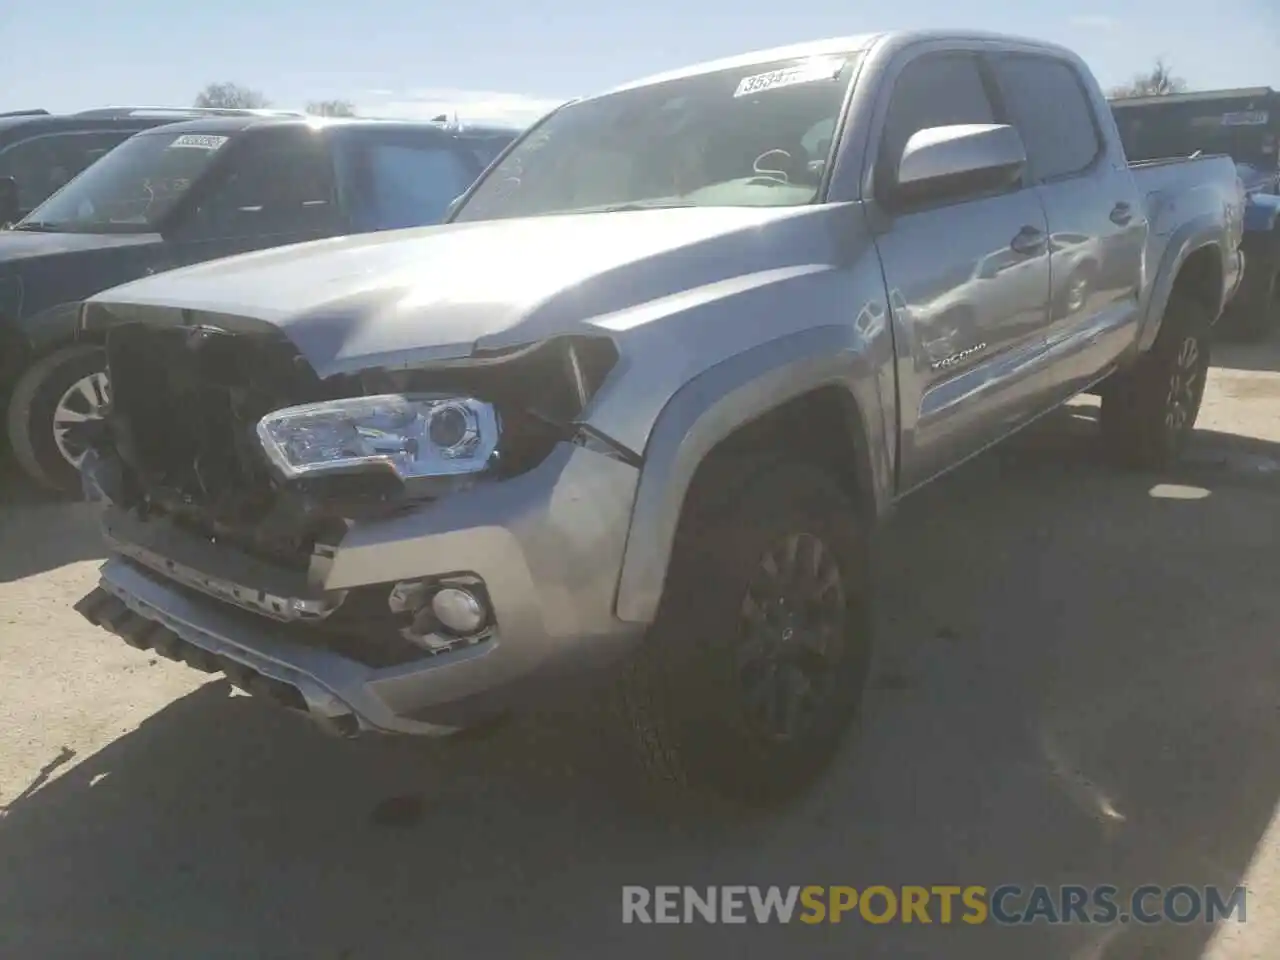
937	90
1052	112
404	181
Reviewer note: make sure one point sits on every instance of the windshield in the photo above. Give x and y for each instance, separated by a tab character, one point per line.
130	188
751	136
1177	130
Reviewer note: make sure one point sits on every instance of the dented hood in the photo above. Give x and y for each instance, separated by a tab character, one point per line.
407	297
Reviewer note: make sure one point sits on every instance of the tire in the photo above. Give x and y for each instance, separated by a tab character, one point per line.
35	399
1149	411
698	695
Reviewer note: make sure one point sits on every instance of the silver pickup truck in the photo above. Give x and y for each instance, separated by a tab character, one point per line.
641	402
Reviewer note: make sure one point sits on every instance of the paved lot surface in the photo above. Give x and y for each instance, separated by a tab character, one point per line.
1078	682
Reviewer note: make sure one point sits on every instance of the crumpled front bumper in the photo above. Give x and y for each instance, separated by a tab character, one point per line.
547	545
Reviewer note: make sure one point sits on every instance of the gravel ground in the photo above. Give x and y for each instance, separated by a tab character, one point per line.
1077	682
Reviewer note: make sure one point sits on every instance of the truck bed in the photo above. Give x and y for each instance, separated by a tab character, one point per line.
1176	190
1179	173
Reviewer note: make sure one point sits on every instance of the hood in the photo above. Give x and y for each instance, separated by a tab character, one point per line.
17	245
408	297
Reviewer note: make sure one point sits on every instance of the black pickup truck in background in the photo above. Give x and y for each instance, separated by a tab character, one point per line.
41	151
186	193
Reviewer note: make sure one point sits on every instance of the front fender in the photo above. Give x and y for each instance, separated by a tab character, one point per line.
713	405
13	346
1203	231
51	328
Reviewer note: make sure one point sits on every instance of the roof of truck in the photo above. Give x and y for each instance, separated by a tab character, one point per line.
811	48
833	46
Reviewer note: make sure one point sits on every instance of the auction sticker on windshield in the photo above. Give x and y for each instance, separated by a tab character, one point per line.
199	141
809	72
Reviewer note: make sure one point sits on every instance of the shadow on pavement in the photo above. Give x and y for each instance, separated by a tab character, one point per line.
16	489
1077	684
39	532
1235	355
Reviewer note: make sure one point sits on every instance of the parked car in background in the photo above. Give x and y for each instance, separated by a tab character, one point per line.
41	151
647	393
1244	125
186	193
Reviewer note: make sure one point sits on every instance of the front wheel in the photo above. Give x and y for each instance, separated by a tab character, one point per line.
1149	411
757	660
65	387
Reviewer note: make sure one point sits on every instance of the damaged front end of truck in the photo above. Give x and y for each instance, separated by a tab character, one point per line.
394	548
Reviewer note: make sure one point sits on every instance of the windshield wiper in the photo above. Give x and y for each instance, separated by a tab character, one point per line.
655	204
37	226
640	205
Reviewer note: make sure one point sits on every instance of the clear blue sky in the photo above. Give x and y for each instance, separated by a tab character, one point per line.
501	57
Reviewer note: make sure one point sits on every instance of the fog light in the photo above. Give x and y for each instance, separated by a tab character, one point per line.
407	596
458	610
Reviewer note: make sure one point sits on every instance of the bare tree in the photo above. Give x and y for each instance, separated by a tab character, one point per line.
1159	81
331	108
231	95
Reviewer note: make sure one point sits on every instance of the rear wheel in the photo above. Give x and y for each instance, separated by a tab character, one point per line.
756	663
66	387
1149	411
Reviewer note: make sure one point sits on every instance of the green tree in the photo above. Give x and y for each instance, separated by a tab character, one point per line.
1159	81
231	95
331	108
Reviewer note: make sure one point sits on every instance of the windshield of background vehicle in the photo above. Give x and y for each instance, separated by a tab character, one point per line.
751	136
132	187
1179	130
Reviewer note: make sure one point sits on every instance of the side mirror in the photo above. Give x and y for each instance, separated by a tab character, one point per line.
8	200
452	208
956	161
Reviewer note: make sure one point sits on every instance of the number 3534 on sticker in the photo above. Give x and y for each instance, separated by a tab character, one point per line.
808	72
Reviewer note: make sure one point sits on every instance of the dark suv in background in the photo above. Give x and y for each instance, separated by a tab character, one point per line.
42	151
183	194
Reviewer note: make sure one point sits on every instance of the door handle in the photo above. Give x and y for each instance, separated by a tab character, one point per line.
1029	242
1122	214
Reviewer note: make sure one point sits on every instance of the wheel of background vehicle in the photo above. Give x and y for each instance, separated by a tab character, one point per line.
1074	296
756	662
65	387
1149	411
1077	293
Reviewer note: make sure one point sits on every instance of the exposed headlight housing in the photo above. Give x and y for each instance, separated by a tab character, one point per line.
415	435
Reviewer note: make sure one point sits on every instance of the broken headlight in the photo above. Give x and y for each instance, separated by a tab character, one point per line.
414	435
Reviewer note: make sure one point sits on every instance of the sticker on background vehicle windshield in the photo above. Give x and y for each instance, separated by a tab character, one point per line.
199	141
1246	118
789	76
